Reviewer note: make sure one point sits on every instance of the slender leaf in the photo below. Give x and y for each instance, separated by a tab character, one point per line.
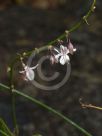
66	119
4	130
3	133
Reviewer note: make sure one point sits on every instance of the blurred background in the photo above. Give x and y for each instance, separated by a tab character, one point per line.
26	24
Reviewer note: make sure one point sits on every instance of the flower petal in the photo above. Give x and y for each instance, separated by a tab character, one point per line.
57	56
66	50
56	50
71	48
34	67
30	74
62	48
62	60
74	49
67	58
21	72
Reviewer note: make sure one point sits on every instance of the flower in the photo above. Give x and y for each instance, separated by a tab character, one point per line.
62	55
28	72
71	48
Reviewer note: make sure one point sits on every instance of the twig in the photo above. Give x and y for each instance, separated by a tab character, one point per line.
46	47
84	105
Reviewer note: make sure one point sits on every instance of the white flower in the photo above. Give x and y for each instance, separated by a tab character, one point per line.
28	72
62	55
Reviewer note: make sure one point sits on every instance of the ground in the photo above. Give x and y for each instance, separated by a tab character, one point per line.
23	28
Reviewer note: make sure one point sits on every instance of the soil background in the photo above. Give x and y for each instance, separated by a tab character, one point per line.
25	25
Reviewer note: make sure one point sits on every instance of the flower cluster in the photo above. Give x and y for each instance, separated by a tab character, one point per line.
60	55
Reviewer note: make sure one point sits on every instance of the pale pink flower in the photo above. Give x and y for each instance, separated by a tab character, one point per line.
62	55
28	72
71	47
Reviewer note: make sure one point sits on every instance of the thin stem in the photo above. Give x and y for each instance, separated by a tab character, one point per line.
3	133
91	106
13	101
72	29
75	27
16	131
84	105
48	109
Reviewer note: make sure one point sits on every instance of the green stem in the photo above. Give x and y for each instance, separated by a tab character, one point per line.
13	100
72	29
75	27
48	109
3	133
16	131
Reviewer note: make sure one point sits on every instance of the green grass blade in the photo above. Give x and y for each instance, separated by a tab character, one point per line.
3	133
4	130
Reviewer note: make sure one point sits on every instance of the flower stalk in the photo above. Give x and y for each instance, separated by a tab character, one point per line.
37	51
